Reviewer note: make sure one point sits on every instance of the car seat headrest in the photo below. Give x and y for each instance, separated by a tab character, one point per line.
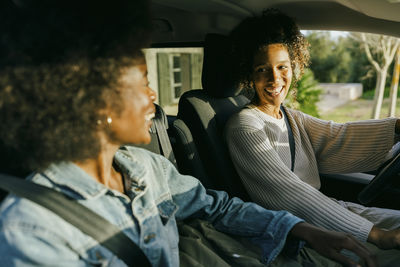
217	77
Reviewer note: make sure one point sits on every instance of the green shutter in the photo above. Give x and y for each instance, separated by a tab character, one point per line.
164	79
185	72
196	60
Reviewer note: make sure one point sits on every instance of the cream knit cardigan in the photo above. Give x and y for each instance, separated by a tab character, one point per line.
259	147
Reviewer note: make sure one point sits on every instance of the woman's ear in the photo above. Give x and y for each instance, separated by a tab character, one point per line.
252	85
252	93
247	91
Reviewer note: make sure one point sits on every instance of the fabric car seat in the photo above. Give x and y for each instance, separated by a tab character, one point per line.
206	111
182	154
186	153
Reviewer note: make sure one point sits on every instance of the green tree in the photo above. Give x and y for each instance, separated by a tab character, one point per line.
380	51
361	70
331	60
305	94
335	60
320	52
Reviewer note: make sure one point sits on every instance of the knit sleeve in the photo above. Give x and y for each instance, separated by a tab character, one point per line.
271	184
350	147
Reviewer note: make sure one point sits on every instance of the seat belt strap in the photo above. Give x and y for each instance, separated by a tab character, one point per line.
291	138
163	137
89	222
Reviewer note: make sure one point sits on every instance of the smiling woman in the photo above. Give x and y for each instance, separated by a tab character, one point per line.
272	78
279	152
271	63
131	126
58	72
248	37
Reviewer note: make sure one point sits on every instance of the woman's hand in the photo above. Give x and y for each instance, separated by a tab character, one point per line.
385	239
329	244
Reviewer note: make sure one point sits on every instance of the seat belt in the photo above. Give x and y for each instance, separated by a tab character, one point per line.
291	139
164	141
162	135
89	222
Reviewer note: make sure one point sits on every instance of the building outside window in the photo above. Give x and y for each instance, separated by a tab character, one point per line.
173	71
177	71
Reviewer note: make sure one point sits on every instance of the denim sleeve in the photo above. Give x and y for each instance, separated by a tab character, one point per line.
27	245
269	229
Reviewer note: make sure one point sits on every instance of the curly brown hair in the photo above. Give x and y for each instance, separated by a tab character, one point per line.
255	33
60	65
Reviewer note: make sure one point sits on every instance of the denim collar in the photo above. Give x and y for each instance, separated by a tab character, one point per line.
73	180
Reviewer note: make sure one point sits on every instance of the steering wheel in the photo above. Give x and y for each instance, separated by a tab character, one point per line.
387	174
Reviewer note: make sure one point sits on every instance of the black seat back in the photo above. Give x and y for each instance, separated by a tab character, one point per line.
186	152
206	112
174	141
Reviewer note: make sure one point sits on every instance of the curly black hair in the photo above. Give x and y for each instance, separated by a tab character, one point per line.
60	62
255	33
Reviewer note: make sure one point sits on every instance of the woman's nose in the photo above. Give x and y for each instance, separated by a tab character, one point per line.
273	76
276	75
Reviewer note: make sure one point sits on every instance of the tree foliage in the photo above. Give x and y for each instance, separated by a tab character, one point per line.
335	60
305	94
380	51
329	59
340	60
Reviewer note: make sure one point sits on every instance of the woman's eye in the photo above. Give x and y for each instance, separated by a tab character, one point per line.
261	70
283	67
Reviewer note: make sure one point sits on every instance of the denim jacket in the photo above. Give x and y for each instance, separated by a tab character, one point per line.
159	195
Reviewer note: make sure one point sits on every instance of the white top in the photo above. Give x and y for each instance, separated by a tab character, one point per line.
259	147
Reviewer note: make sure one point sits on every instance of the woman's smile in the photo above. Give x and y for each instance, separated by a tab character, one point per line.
272	75
149	117
275	91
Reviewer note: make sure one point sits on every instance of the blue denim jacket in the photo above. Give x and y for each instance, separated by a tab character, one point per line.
159	195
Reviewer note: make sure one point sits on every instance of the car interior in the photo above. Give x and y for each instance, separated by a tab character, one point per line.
204	111
193	138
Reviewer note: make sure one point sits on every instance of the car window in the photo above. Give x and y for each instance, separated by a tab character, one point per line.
173	71
341	81
339	84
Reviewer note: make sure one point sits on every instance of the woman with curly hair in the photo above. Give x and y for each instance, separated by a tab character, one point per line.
73	92
271	54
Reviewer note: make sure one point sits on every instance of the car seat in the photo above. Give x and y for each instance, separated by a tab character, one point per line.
186	153
182	154
206	111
